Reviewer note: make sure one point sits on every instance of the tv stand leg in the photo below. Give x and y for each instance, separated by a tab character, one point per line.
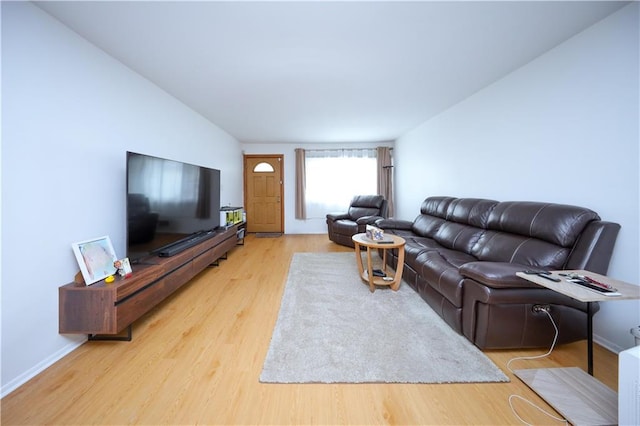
117	337
217	262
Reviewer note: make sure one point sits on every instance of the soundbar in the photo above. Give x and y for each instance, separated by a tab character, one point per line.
182	245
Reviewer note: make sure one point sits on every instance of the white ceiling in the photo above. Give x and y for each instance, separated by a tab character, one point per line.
312	71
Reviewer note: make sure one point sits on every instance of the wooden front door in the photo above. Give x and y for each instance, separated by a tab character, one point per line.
263	192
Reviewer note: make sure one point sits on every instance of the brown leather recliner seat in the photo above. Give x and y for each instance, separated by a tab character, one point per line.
364	210
462	255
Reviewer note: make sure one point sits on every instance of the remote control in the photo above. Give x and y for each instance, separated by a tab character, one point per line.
550	278
543	274
605	291
530	272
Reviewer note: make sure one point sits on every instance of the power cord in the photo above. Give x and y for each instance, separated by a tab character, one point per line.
545	309
512	397
553	344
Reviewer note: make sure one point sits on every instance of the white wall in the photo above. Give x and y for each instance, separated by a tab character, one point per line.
69	114
563	128
291	224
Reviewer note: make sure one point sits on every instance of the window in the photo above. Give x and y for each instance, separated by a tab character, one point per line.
263	168
333	177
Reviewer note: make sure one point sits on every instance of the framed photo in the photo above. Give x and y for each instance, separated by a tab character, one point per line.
123	266
95	258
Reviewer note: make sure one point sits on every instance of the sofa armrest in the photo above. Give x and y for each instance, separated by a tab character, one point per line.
337	216
594	247
368	220
394	224
497	274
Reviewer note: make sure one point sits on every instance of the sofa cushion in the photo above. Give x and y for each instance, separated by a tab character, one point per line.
496	274
395	224
345	227
466	220
426	225
357	212
337	216
556	223
414	246
457	236
366	205
502	247
441	270
436	206
471	211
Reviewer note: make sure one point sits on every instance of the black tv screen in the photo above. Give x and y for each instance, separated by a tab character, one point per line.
167	202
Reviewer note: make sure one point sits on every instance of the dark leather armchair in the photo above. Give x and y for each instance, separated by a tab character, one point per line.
364	210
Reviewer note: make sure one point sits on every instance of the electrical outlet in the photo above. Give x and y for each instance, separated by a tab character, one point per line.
541	308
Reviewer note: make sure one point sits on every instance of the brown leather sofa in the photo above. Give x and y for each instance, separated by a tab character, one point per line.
364	210
462	254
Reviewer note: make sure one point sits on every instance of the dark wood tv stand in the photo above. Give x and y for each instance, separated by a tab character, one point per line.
104	311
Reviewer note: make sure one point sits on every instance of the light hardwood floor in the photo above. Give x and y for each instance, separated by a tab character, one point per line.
196	359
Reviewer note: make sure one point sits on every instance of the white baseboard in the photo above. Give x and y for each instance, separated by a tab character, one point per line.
616	349
38	368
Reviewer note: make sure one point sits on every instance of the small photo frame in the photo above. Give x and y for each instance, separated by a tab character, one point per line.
123	266
95	258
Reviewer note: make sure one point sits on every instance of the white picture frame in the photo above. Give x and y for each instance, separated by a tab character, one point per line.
95	258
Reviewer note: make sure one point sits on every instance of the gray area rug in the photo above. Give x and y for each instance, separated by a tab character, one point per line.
332	329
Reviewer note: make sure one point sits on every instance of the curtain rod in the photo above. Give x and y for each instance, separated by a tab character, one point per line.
342	149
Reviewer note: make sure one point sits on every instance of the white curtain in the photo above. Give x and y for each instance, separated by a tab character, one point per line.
333	177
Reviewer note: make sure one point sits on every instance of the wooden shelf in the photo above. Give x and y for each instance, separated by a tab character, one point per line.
108	309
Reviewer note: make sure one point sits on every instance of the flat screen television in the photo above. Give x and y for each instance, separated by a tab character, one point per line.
168	203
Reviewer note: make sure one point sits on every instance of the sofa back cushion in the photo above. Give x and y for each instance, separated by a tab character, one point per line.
433	213
495	246
457	236
532	233
436	206
466	220
455	223
471	211
366	205
556	223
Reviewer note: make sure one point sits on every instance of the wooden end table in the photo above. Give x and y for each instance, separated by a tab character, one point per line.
390	242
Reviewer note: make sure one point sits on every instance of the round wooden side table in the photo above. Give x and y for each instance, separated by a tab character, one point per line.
390	242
